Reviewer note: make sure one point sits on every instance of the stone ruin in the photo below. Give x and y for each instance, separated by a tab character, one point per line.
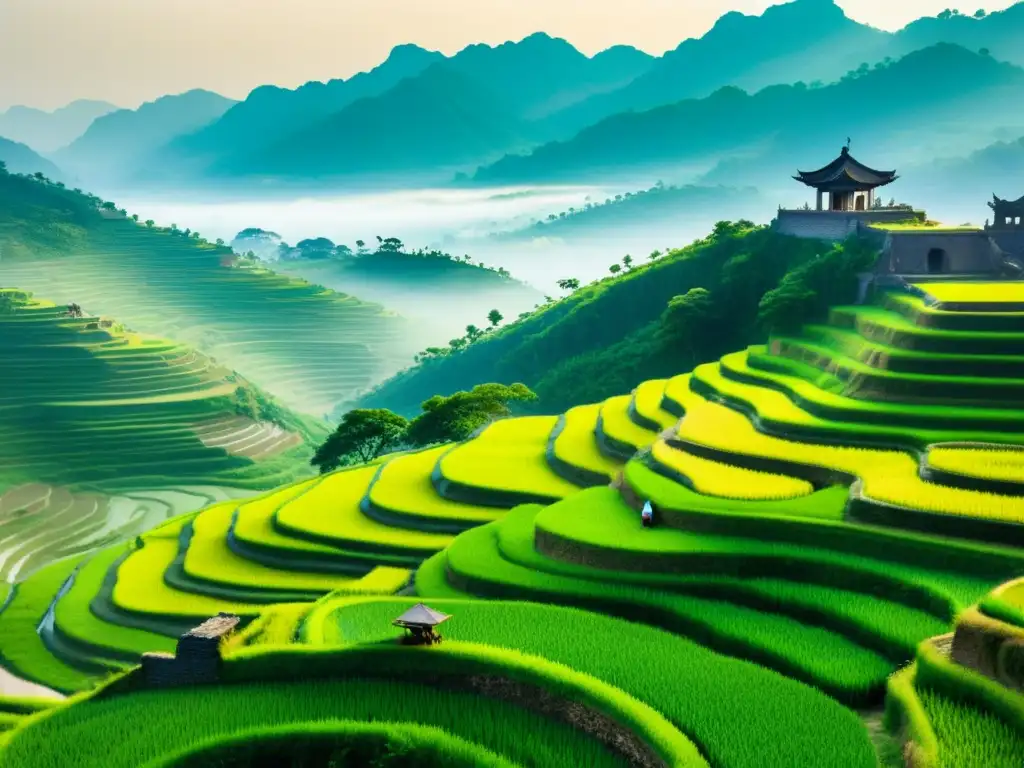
197	660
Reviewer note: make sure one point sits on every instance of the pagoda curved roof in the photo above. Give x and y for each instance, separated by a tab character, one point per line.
1018	203
846	171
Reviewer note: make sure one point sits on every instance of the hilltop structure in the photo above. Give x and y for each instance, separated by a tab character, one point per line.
908	246
849	184
852	204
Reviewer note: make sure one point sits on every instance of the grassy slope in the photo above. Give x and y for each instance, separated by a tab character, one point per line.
106	432
600	341
306	345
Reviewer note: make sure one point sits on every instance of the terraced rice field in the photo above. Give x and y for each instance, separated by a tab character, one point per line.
310	347
808	543
104	433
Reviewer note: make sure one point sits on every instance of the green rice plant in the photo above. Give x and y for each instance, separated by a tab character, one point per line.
701	692
25	705
1004	463
619	427
744	575
483	462
21	647
676	391
576	444
141	588
277	625
890	477
129	731
937	673
337	743
1006	603
712	478
940	575
970	737
824	659
905	717
902	423
470	661
255	522
330	510
647	403
975	292
75	620
403	487
209	558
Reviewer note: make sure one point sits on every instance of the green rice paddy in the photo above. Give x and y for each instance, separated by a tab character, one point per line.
817	519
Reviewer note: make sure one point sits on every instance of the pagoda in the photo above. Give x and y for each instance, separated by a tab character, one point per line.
850	184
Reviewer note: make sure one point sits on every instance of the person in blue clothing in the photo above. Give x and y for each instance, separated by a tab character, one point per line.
647	514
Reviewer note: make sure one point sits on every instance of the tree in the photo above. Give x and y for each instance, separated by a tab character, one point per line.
473	333
495	317
360	248
981	13
456	417
655	254
684	316
220	241
615	269
135	217
627	261
363	435
985	52
569	284
3	168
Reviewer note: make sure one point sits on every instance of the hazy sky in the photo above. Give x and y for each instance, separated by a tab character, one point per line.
128	51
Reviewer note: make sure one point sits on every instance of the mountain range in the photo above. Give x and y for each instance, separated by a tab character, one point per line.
20	158
114	142
896	106
422	110
49	131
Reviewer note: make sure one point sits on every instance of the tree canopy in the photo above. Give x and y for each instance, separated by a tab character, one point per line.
363	435
457	416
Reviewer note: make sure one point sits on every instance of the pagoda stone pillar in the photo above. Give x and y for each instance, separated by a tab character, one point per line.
819	199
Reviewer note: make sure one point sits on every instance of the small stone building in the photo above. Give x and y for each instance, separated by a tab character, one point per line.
1007	227
197	659
928	252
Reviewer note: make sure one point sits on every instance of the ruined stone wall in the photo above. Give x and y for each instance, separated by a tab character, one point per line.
835	225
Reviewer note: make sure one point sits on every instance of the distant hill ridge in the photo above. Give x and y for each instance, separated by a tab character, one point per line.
49	131
940	79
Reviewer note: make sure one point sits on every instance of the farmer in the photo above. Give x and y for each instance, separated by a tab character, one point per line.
647	514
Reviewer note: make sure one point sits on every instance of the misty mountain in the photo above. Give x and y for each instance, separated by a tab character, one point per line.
938	92
269	113
481	102
441	118
20	158
49	131
957	189
805	39
1002	33
115	142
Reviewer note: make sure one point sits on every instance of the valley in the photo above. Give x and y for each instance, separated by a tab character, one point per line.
489	397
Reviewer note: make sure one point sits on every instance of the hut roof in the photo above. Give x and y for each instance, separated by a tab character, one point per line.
421	616
218	626
846	173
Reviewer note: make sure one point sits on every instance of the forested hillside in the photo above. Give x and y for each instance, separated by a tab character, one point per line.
305	344
685	307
